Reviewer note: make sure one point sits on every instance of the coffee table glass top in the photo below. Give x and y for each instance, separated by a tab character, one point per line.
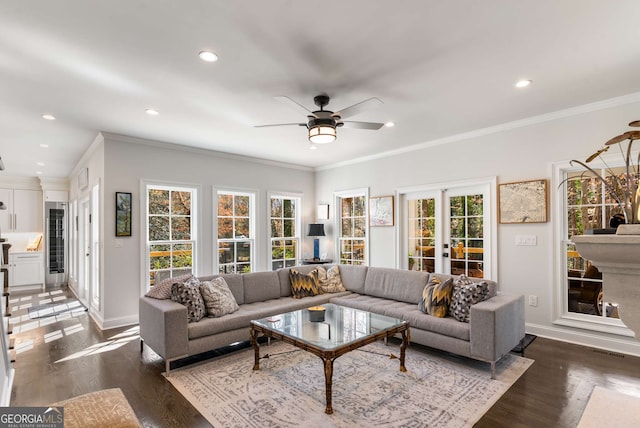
332	328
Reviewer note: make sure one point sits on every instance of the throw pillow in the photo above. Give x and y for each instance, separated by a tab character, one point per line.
436	297
217	297
329	280
162	290
304	285
466	294
188	294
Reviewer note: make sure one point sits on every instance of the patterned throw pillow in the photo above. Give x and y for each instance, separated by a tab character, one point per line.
467	293
304	285
436	297
329	280
217	297
188	294
162	290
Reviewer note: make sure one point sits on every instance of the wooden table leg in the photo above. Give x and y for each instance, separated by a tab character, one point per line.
403	347
328	378
253	334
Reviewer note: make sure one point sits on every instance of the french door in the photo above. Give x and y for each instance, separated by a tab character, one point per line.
448	230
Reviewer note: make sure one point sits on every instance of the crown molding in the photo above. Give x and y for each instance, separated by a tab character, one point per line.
200	151
534	120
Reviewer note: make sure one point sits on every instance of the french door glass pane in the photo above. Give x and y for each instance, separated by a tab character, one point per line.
465	234
422	232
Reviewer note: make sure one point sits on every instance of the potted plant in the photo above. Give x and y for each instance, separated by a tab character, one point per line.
623	188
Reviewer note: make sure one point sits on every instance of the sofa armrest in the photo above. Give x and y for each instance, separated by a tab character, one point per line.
496	326
163	327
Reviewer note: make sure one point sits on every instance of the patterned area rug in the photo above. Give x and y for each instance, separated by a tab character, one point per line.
368	388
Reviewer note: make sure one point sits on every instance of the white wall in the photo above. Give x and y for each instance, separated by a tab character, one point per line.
128	161
514	154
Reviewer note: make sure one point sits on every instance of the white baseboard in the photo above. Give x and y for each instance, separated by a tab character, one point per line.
107	324
5	399
622	345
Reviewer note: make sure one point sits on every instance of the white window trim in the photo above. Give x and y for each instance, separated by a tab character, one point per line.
144	210
299	228
253	231
483	182
561	313
337	220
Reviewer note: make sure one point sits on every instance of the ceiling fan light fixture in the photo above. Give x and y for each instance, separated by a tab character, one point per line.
322	134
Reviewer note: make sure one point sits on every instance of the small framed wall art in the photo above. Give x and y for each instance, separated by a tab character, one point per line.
381	211
123	214
523	202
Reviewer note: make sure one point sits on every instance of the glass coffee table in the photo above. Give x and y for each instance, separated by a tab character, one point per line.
329	331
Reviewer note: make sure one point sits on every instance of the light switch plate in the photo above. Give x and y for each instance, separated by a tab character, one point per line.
526	240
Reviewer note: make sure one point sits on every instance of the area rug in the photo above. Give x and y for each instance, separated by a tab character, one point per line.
438	389
608	408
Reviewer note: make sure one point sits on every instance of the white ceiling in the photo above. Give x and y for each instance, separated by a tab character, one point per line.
440	67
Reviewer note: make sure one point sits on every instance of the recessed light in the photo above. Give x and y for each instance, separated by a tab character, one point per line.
523	83
151	112
44	146
48	117
390	124
39	172
40	163
208	56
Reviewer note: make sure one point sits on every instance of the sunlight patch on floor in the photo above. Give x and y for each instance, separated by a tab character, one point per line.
111	344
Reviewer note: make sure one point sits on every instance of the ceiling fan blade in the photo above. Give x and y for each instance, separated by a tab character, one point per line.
294	105
358	108
363	125
280	124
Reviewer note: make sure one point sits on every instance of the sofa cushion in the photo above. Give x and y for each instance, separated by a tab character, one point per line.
234	282
353	277
188	294
436	297
396	284
304	285
217	297
362	302
329	280
285	282
261	286
466	293
162	290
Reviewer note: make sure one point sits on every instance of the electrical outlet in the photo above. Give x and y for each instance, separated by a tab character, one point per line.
533	300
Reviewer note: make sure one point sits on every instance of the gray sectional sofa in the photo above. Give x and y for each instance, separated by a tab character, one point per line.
496	325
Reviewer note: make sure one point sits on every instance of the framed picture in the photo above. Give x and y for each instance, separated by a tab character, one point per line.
523	202
123	214
381	211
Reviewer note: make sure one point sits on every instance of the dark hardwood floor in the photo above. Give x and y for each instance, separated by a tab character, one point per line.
62	356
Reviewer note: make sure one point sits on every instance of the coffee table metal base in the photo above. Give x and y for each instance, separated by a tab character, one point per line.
329	356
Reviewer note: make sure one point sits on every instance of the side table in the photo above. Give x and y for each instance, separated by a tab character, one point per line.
315	262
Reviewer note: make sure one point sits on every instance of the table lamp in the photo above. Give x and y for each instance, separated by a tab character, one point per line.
316	230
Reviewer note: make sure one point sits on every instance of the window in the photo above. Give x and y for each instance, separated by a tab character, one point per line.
352	236
170	231
235	232
284	219
587	206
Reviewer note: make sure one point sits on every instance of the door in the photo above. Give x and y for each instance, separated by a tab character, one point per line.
448	231
84	261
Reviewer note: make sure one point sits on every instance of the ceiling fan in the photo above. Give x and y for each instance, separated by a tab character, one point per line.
321	124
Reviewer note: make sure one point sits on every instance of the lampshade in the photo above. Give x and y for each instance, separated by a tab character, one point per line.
316	230
322	134
4	207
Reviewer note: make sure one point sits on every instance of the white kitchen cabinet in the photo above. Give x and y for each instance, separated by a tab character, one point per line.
26	268
24	211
